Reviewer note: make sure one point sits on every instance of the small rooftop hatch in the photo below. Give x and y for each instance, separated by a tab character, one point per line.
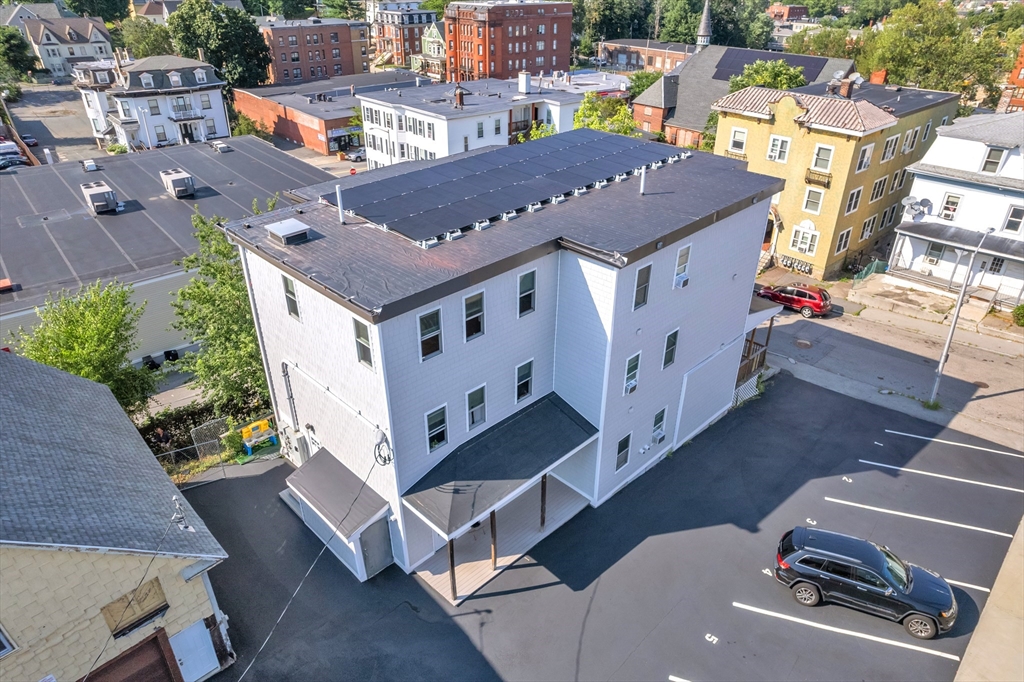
289	231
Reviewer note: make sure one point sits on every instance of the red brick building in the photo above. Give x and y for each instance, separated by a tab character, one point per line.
315	49
497	39
640	54
780	12
1013	95
399	32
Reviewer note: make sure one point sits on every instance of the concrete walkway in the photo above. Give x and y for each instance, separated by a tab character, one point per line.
996	651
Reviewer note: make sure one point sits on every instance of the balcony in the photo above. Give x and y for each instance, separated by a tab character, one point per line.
739	156
179	113
519	127
814	177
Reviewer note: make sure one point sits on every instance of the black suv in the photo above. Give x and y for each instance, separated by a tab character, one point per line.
820	565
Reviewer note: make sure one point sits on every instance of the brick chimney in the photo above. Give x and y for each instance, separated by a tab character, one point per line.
459	98
845	88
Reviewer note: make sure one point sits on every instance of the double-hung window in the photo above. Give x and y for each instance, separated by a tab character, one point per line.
804	240
864	160
778	149
474	306
910	141
204	101
738	142
868	228
853	201
877	190
476	407
154	107
1014	219
658	436
643	284
437	428
949	206
497	126
843	242
895	182
682	277
670	349
524	381
479	129
430	334
822	159
935	251
290	299
812	200
363	351
993	159
889	150
622	453
527	292
927	129
632	373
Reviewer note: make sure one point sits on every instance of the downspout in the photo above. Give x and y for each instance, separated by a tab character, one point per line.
259	328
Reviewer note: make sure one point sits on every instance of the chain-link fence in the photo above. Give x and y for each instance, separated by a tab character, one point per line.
207	458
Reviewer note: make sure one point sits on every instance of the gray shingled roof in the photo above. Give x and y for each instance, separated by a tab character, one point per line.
58	28
37	10
989	179
75	472
996	245
160	66
661	94
697	88
1002	130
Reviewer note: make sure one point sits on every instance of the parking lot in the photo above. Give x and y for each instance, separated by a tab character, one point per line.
670	579
55	115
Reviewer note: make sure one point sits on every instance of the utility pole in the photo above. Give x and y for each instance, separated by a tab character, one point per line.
956	316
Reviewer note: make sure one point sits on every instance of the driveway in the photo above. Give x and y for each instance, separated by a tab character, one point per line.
55	115
667	580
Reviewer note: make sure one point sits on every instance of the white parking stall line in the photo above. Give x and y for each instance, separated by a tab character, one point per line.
948	478
860	635
921	518
967	585
952	442
673	678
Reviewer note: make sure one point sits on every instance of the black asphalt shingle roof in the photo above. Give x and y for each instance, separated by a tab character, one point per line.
960	236
336	492
75	472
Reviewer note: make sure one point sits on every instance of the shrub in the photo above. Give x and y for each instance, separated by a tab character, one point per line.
1018	315
177	423
117	148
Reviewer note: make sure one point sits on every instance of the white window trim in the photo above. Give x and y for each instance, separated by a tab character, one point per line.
483	314
686	268
470	427
811	250
1006	221
675	351
519	282
942	206
297	315
807	192
839	241
664	424
629	451
984	160
369	343
12	646
860	198
515	382
874	227
895	149
440	331
870	150
732	138
625	373
781	138
447	427
636	282
885	181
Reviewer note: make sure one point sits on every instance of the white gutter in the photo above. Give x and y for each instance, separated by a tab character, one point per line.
59	547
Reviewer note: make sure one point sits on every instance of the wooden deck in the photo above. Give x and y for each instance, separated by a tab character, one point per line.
519	529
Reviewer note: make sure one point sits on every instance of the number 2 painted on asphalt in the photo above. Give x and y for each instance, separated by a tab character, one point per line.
847	480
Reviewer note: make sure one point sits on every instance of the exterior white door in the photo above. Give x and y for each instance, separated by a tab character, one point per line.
193	649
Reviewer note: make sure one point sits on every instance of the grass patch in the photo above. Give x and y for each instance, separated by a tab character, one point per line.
183	470
931	404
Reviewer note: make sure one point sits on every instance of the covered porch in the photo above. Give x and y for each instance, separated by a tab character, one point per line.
496	496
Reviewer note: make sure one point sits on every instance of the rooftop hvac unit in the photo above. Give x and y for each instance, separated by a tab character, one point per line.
557	199
452	235
482	224
685	154
178	183
428	243
508	215
534	207
100	198
288	232
89	165
621	177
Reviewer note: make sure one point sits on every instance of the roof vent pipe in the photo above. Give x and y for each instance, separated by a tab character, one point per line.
341	208
643	181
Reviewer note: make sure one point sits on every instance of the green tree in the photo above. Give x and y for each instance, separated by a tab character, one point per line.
928	45
230	40
146	38
639	81
10	85
244	125
537	131
290	9
739	23
15	51
109	10
430	5
213	310
828	42
92	334
823	8
609	114
772	74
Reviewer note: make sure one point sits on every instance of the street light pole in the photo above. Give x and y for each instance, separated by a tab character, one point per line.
956	316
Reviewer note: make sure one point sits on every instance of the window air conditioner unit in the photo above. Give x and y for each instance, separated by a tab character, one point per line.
906	149
681	281
659	436
931	261
534	207
773	156
802	249
631	386
481	224
508	215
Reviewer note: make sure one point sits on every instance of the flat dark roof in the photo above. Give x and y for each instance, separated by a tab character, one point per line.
336	492
379	274
364	82
482	472
902	100
50	241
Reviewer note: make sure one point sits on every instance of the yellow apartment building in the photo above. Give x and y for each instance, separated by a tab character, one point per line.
843	149
102	570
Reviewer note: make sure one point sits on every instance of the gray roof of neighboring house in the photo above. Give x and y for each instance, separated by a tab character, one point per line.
280	22
381	273
661	94
9	14
703	78
489	467
159	67
146	239
75	472
485	96
989	179
58	28
898	100
1000	130
337	492
339	85
961	236
683	48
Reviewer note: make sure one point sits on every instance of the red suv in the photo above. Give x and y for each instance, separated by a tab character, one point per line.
808	300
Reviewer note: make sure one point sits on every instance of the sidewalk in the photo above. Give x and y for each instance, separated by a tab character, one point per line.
996	650
331	163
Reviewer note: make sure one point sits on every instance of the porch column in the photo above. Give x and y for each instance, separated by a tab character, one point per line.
543	499
768	338
451	567
494	541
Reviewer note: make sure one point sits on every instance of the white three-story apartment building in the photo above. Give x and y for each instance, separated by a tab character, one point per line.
477	348
970	181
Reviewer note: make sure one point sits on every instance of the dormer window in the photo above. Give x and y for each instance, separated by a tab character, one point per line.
175	79
993	159
102	77
147	80
200	75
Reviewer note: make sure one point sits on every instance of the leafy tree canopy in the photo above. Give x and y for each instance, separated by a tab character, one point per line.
229	38
15	51
828	42
146	38
823	8
434	6
290	9
537	131
213	309
109	10
92	334
10	87
244	125
737	23
771	74
609	114
641	80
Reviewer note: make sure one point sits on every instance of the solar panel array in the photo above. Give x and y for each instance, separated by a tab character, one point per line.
734	59
432	202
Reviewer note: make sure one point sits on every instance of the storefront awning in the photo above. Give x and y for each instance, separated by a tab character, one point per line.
478	475
331	488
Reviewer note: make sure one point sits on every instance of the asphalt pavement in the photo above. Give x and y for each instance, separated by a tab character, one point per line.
55	115
670	579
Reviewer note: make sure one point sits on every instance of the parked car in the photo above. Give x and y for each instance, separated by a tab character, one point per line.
807	299
820	565
29	140
10	162
355	154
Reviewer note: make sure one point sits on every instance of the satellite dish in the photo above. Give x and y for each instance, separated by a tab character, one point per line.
926	203
855	75
839	75
907	201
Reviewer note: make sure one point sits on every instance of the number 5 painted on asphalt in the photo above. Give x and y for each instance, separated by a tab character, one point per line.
711	638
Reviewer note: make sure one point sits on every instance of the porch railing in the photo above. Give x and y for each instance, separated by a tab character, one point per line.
753	360
739	156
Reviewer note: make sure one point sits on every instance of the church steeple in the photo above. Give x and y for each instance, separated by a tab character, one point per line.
704	32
